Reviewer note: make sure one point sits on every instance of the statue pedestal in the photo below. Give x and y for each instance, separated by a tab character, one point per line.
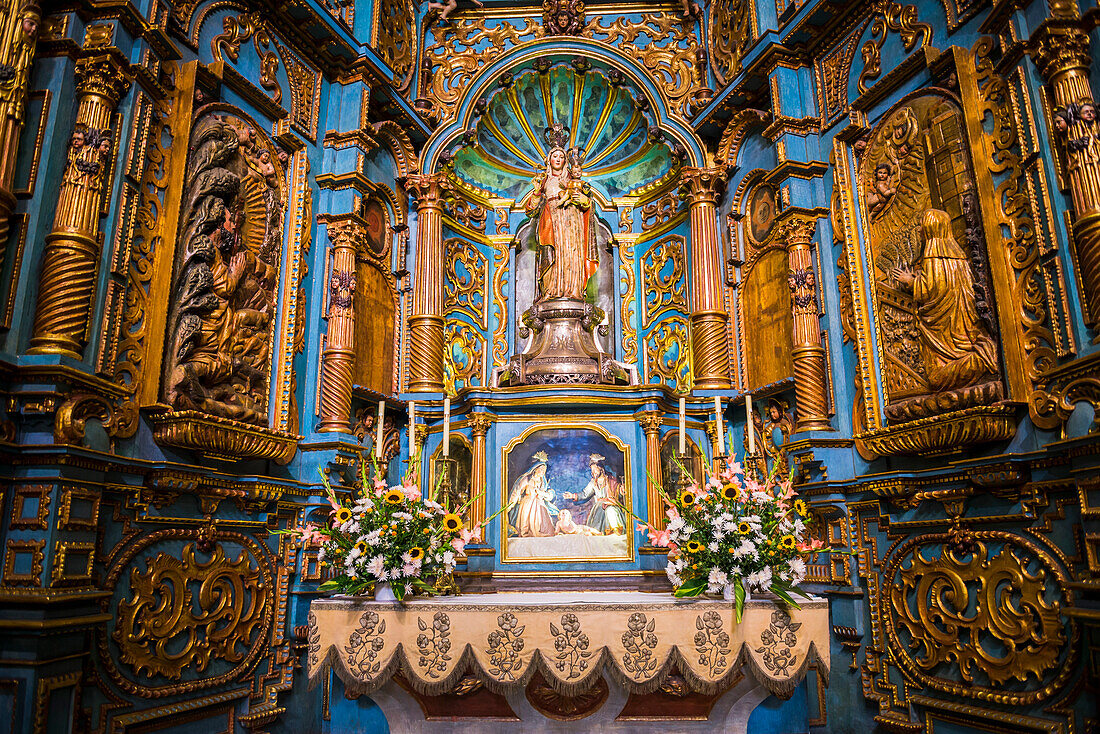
563	349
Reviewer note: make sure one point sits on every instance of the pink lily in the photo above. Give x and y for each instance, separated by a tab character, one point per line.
412	492
465	537
811	546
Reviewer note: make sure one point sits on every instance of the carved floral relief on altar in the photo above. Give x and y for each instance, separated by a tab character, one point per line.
569	497
224	296
926	248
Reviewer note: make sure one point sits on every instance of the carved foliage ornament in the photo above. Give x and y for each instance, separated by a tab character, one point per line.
731	33
185	613
223	305
989	614
901	19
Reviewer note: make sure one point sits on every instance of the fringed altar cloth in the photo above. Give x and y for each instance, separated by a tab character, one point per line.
572	638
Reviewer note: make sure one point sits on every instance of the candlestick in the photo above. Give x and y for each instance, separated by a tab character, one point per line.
683	418
719	424
446	427
378	430
749	424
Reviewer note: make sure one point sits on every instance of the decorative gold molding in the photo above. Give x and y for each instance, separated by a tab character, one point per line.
221	438
943	434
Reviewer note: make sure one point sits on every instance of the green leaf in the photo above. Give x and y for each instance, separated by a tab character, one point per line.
782	594
738	598
329	585
691	587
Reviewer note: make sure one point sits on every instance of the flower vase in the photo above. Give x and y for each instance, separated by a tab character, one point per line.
383	592
728	593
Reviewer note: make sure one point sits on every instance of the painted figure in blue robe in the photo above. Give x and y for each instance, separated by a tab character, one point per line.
605	515
532	511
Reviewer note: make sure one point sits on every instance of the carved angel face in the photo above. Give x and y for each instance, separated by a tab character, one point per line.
30	26
77	140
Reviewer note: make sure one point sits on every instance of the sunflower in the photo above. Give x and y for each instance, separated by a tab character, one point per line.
800	507
694	546
787	542
361	547
731	492
394	496
452	523
744	528
416	553
343	515
687	498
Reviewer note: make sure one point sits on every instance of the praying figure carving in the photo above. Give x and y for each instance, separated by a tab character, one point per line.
933	316
223	306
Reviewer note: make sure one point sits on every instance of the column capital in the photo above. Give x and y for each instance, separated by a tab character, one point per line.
480	423
345	230
702	185
1059	46
104	74
796	228
428	189
651	423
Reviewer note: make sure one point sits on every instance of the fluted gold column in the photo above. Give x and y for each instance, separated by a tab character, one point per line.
17	45
796	231
426	322
338	360
479	427
709	319
1060	48
655	512
66	285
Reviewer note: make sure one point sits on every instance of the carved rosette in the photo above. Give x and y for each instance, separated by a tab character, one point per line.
796	232
348	236
426	322
67	280
709	319
1061	51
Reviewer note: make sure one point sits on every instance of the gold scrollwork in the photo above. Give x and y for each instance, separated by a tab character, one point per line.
993	617
464	356
667	354
628	309
663	280
459	52
467	213
184	613
660	211
395	38
465	275
901	19
667	49
731	33
241	28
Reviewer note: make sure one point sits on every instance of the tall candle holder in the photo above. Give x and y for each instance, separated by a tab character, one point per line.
754	467
685	470
443	471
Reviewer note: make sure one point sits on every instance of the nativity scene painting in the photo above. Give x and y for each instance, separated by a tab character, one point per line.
567	497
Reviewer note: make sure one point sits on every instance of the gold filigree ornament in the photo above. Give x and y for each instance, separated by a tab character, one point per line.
986	617
184	613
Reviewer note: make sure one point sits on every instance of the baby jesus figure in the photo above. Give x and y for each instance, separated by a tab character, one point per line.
447	7
566	526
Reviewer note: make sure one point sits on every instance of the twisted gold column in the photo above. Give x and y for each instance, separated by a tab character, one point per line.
17	44
655	512
709	319
338	360
1060	48
426	322
479	427
796	230
66	286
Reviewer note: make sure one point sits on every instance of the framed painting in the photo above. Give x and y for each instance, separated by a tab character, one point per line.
569	498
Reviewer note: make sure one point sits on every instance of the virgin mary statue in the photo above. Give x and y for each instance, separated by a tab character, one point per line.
567	252
531	512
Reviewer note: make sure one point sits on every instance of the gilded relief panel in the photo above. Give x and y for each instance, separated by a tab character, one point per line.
375	316
936	329
223	302
767	323
467	279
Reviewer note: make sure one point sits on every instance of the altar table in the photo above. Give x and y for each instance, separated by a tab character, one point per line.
572	638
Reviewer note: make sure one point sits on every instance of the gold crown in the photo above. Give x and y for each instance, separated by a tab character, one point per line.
541	456
557	136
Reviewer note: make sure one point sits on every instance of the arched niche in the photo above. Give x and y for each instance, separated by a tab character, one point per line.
460	488
766	321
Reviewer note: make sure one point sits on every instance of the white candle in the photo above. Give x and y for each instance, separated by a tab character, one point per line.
748	424
412	426
683	419
378	433
446	427
720	425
